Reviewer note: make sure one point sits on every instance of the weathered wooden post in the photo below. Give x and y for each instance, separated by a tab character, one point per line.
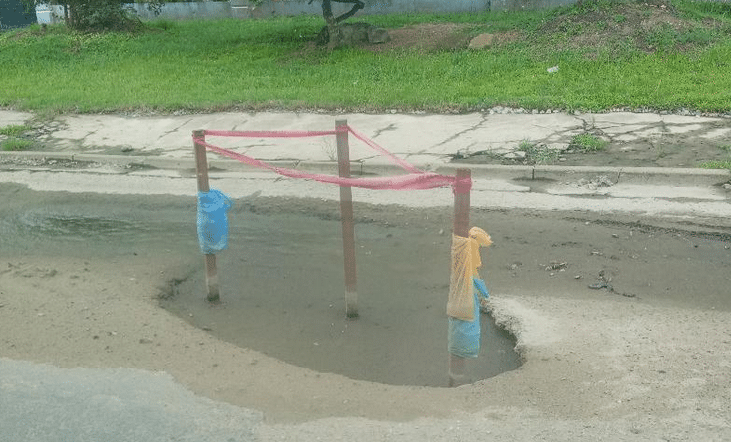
201	168
346	216
461	228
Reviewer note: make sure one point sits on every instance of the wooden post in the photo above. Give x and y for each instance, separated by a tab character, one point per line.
201	168
346	216
461	228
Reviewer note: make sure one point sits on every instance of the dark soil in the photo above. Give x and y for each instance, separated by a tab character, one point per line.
646	26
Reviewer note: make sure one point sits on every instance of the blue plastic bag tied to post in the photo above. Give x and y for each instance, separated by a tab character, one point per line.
464	336
481	287
213	207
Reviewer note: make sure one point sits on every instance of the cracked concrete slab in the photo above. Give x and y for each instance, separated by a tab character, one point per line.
14	118
424	139
716	133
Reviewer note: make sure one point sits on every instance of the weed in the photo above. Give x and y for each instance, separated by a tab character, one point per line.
725	148
16	144
162	24
698	36
14	130
587	143
536	153
722	164
329	148
662	38
619	18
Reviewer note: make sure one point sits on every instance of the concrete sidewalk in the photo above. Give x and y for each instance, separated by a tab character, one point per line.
159	150
423	140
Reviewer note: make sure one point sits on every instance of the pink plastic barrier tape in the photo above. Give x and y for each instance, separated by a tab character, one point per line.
415	180
383	151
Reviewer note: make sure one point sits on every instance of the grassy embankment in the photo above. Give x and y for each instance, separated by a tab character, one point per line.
607	58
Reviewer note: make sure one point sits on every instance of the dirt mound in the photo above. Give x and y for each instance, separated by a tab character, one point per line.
647	26
428	37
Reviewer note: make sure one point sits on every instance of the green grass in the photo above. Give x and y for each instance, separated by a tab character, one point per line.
13	143
538	153
16	144
588	143
14	130
718	164
258	64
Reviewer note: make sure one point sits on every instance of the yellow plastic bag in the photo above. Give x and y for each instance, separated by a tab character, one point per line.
465	262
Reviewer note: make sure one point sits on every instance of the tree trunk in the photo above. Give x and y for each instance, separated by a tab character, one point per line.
335	37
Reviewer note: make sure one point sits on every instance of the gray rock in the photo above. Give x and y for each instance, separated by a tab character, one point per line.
378	35
354	34
517	155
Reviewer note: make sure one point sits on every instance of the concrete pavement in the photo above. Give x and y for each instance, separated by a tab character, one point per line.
156	153
41	403
423	140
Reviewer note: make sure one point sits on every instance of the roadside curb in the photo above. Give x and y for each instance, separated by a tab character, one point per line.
634	175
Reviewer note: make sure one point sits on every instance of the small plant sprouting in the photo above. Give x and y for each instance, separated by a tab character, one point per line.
16	144
716	165
14	130
587	143
536	153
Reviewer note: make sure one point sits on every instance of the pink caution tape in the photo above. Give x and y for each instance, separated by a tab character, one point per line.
415	180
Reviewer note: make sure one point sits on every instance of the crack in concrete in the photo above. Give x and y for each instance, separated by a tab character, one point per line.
235	126
387	128
459	134
560	133
175	129
249	146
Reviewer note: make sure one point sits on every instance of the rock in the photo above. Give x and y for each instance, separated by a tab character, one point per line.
727	186
354	34
378	35
517	155
481	41
555	265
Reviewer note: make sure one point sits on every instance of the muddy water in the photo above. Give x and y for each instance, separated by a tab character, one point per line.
283	292
281	279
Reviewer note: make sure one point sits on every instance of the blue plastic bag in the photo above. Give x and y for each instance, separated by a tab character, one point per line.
481	287
464	336
213	207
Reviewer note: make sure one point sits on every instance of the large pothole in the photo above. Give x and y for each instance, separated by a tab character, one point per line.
283	295
282	281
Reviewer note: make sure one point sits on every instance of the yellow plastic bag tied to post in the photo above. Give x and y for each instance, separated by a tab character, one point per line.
465	262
